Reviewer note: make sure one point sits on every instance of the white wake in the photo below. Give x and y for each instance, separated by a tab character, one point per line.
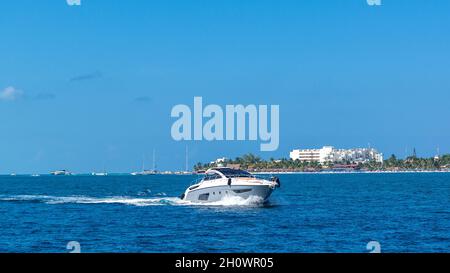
229	201
132	201
125	200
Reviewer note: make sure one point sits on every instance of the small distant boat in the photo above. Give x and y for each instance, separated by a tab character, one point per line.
99	174
183	173
145	172
13	174
61	172
35	175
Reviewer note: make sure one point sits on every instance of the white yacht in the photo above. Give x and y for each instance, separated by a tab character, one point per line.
145	172
61	172
99	174
219	183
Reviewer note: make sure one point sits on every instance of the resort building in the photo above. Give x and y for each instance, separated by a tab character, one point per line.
219	162
313	155
331	154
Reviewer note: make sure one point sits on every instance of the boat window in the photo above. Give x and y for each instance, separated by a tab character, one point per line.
203	197
193	187
228	172
211	177
242	190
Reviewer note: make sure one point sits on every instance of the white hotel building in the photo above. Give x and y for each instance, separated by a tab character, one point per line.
331	154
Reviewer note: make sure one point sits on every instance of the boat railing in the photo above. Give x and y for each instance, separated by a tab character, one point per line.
256	176
268	177
264	176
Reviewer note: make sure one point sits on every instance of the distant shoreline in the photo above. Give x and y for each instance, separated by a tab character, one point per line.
256	173
355	172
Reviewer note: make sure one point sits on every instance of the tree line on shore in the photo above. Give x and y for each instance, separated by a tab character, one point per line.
255	163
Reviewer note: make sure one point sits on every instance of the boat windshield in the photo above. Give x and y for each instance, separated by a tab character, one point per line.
229	173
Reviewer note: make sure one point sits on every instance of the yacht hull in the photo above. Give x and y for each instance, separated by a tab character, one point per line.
217	193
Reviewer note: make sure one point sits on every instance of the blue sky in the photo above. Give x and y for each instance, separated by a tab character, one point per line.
91	87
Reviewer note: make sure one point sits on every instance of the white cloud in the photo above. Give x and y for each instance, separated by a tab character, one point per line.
10	94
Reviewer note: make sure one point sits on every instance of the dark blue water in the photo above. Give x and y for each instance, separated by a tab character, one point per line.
310	213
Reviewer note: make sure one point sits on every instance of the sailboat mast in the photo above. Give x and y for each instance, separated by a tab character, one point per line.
187	159
154	162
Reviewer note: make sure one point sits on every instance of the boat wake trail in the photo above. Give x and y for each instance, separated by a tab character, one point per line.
127	200
124	200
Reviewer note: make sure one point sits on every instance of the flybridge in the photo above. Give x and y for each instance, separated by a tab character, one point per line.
235	123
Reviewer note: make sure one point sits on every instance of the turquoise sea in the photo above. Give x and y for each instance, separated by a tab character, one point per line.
404	212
